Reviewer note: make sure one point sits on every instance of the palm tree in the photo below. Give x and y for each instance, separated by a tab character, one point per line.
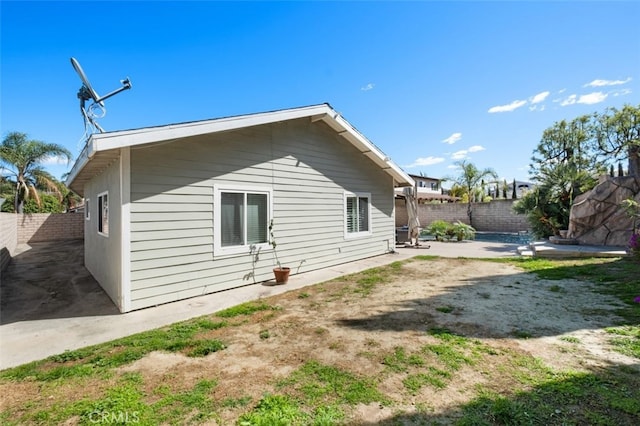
470	179
21	158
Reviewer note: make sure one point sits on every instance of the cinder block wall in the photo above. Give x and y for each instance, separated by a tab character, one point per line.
495	216
38	227
8	238
498	216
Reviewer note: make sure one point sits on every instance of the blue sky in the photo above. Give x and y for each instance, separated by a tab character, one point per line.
430	83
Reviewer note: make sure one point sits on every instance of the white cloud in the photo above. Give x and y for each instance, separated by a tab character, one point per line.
592	98
600	83
464	153
507	108
367	87
621	92
538	107
569	101
425	161
540	97
55	160
453	138
459	155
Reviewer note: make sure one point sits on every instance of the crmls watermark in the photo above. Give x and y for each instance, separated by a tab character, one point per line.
114	417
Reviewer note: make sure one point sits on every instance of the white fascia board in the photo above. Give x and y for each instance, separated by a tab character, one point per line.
373	152
107	141
85	156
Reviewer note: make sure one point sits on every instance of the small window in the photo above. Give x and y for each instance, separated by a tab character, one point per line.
87	211
241	219
357	214
103	213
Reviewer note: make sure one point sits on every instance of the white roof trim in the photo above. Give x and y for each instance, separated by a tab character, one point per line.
127	138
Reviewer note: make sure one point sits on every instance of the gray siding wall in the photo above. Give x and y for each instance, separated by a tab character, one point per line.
308	167
102	255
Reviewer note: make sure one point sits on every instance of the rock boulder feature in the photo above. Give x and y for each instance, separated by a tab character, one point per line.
597	217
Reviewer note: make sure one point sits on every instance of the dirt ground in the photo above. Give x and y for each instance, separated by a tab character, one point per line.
493	302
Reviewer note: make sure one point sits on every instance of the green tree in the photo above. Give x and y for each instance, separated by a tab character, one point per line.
564	165
618	136
458	191
545	217
565	158
471	180
21	159
47	204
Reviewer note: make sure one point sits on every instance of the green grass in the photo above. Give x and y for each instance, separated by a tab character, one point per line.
516	388
314	394
434	364
276	410
100	359
432	376
316	382
573	398
399	361
244	309
628	342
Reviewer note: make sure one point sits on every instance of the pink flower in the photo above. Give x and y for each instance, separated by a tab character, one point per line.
637	299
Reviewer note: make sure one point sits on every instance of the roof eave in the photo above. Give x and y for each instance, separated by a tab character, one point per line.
101	142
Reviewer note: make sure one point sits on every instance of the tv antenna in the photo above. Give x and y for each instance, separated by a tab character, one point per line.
96	109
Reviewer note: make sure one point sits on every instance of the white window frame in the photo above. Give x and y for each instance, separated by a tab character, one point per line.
360	234
218	249
100	221
87	212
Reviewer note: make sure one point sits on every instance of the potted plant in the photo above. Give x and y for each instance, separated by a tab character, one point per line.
281	272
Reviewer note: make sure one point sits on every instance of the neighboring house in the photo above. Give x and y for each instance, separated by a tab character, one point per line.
428	190
183	210
521	188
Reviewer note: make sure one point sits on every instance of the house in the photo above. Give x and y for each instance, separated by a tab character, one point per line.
182	210
522	188
428	190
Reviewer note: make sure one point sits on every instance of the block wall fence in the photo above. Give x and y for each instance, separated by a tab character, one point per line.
495	216
37	227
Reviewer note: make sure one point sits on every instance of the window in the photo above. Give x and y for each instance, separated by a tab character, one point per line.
241	219
357	214
103	213
87	212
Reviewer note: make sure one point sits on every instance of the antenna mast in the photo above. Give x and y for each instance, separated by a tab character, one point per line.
96	109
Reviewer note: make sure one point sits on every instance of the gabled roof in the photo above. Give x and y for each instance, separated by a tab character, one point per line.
103	148
418	177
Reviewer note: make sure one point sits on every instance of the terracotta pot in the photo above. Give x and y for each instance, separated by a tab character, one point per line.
281	274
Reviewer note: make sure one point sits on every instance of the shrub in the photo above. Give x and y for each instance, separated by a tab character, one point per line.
445	231
463	231
48	204
438	228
